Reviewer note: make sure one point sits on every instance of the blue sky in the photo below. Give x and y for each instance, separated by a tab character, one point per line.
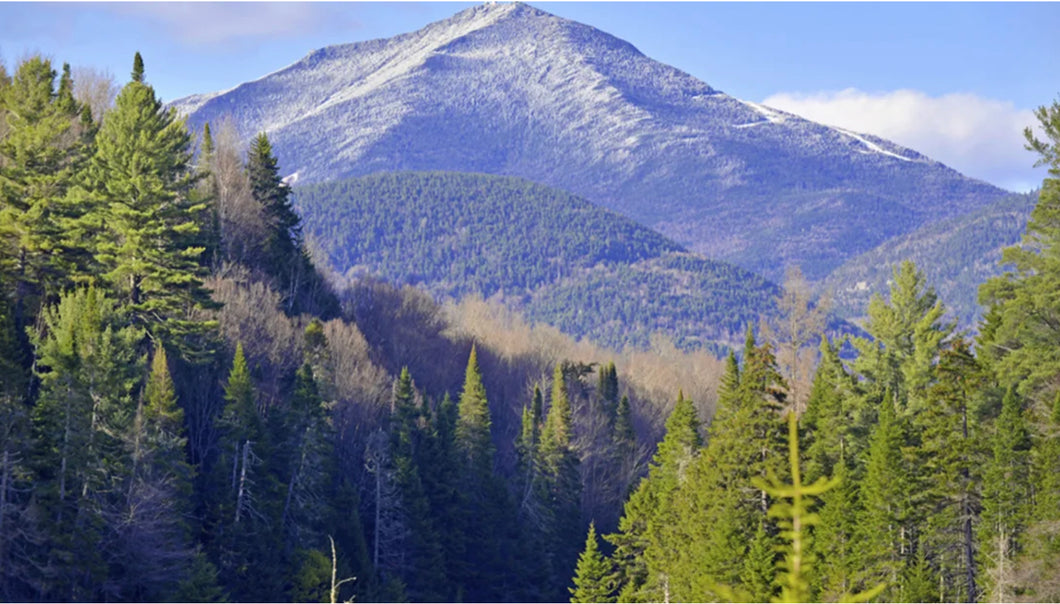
956	81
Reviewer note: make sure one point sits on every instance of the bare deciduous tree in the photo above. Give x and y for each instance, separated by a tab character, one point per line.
95	88
798	324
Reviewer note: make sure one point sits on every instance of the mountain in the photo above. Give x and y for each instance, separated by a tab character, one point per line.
956	255
554	257
512	90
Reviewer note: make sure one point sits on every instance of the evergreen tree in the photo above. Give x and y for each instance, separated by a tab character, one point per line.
836	422
887	530
473	426
592	576
907	336
16	531
88	371
41	155
563	483
1022	325
948	469
424	578
1007	494
153	554
608	385
836	543
722	510
141	179
624	439
640	544
285	256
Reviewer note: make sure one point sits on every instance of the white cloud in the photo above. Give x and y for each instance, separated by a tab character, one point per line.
977	136
196	23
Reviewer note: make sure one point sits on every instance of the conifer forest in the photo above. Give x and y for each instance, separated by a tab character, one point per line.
194	407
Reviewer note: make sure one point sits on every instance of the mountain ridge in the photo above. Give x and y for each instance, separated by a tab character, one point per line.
513	90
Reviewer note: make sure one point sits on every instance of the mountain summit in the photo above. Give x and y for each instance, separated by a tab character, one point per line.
509	89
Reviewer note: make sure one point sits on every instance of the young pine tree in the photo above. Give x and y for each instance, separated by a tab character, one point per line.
593	575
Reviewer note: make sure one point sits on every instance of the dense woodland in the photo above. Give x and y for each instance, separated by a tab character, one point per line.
191	411
554	257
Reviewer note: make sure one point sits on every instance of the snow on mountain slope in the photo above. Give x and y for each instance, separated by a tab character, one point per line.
510	89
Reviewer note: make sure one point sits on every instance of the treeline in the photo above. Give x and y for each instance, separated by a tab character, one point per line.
554	257
934	458
189	412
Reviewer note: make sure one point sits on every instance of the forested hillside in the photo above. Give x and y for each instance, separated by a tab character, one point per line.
509	89
956	255
554	257
190	411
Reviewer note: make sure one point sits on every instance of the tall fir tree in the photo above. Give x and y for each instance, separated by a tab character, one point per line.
141	181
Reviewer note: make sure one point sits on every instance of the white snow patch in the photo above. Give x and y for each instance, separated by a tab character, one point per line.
873	146
770	114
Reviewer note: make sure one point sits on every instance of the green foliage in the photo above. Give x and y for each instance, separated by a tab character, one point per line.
555	257
140	181
42	152
473	426
592	575
1006	498
956	254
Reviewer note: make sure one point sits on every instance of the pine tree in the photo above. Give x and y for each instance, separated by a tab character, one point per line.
907	336
41	154
1022	325
1007	494
89	369
141	179
592	576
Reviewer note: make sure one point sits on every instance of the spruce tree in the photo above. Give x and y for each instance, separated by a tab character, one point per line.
424	578
141	180
473	426
886	527
285	256
948	469
721	512
641	541
592	575
562	482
